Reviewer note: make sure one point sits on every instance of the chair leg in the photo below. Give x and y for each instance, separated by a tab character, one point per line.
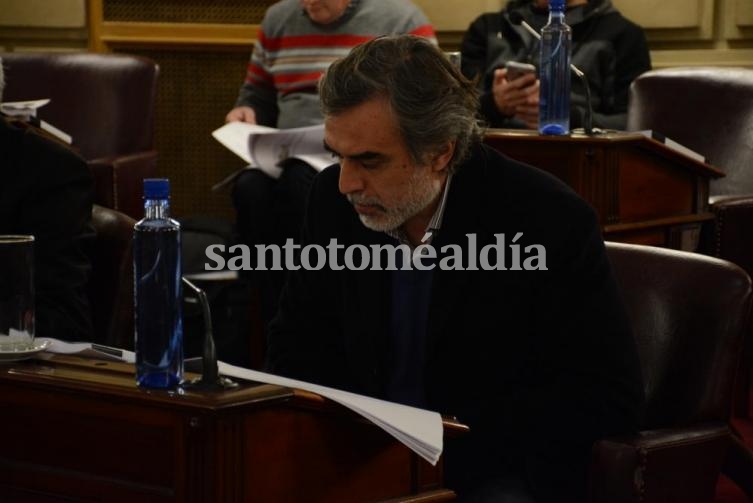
738	465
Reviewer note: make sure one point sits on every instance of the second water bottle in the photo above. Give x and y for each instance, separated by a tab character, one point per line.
554	97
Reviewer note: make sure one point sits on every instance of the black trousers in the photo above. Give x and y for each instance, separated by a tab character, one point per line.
498	491
270	211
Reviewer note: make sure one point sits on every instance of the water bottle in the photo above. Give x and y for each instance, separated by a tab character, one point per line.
554	97
157	291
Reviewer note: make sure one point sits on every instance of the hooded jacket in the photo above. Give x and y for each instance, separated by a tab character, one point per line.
611	50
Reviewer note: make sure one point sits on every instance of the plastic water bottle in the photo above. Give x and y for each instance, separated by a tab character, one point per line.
157	291
554	97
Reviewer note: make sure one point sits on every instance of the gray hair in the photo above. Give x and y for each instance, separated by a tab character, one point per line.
433	102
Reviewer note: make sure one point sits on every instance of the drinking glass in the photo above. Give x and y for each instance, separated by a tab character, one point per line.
16	293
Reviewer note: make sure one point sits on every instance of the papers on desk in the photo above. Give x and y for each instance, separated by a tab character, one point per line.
655	135
87	349
27	111
420	430
268	148
23	109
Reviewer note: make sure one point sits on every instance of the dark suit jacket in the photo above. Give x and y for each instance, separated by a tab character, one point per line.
46	190
539	364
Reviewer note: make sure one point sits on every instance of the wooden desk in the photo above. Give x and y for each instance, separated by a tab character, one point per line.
643	191
81	429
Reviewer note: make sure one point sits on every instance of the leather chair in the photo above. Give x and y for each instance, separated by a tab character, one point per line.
106	102
111	283
689	314
707	109
710	110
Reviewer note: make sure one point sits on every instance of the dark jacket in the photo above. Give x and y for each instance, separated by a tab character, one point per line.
609	49
537	363
46	190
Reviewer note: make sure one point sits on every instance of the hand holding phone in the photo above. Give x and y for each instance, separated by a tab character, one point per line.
515	70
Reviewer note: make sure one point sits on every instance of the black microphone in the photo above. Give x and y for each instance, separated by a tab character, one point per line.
210	379
516	18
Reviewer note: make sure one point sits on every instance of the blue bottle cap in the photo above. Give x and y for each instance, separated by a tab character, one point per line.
156	188
557	4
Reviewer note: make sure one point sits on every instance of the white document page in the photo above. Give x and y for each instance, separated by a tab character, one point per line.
23	108
87	349
421	430
267	148
234	136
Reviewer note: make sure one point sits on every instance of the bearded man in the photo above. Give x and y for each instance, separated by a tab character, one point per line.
503	350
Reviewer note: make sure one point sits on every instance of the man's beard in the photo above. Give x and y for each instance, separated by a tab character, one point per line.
421	191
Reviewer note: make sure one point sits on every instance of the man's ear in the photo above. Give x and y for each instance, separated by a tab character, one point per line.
441	158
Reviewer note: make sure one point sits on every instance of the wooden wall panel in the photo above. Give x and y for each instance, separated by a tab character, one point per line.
43	13
456	15
43	25
202	48
195	91
671	19
738	19
186	11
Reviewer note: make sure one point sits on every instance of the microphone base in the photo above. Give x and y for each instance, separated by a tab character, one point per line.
594	131
200	384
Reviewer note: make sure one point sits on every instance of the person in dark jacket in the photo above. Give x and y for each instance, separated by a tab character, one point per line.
611	50
46	190
534	355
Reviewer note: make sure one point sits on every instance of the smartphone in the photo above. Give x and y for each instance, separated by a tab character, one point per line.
515	70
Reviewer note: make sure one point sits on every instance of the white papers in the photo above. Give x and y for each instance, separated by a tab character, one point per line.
15	339
56	132
87	349
24	109
649	133
27	110
420	430
234	136
267	148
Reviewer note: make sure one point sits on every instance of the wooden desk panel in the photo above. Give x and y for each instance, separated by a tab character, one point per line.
85	431
642	191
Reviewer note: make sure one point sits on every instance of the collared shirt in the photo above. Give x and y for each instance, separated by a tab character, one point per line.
434	224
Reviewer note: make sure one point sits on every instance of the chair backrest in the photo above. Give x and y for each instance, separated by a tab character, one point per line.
106	102
707	109
111	283
689	314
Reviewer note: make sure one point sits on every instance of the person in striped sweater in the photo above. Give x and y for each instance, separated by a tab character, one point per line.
297	41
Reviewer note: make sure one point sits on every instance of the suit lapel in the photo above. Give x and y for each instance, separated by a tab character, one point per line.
463	215
369	314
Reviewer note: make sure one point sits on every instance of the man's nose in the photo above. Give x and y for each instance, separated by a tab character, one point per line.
350	178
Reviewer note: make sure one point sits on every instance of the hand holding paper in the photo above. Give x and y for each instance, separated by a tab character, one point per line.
267	148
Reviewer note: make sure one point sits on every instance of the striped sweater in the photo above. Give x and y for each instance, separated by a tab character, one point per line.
292	52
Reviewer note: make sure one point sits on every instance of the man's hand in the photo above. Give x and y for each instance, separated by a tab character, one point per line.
518	98
241	114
